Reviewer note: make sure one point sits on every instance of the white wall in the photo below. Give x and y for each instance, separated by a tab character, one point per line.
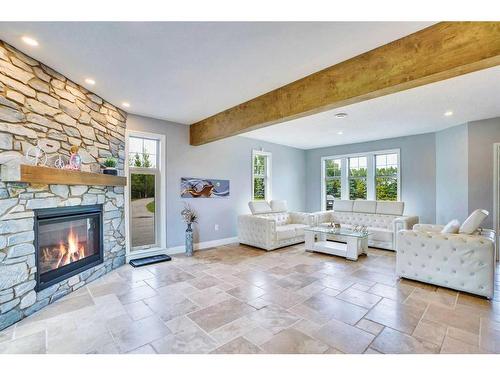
226	159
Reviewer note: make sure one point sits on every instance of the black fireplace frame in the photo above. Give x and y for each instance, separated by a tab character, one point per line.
69	270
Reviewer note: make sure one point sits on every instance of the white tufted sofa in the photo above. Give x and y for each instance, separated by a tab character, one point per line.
383	219
271	226
458	261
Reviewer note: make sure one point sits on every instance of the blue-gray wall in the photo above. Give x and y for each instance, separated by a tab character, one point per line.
482	135
452	159
418	172
227	159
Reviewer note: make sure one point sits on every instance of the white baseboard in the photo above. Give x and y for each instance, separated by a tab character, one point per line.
181	249
202	245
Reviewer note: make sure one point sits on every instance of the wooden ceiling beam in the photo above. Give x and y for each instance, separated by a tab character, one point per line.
438	52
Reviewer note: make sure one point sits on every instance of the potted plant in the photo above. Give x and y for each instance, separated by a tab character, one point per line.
110	166
189	217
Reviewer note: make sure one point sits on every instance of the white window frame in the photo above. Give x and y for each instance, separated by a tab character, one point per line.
160	245
370	173
268	176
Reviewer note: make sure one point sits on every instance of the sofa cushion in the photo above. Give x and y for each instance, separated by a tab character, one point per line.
279	206
390	208
259	207
380	234
285	232
342	205
364	206
472	223
299	229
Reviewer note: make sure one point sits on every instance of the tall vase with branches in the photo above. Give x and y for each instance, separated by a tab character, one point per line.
189	216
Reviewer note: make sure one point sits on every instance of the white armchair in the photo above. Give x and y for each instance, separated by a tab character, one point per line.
463	262
270	230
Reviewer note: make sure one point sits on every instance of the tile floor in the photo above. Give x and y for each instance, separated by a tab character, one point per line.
237	299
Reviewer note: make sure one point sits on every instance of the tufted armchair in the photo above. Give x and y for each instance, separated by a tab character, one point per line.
457	261
272	227
383	219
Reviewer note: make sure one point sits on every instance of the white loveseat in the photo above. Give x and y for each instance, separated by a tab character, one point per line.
464	262
382	218
271	226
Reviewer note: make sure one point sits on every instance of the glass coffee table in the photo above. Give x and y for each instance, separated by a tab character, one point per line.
343	242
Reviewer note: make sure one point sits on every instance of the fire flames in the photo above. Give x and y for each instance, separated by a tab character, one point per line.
68	251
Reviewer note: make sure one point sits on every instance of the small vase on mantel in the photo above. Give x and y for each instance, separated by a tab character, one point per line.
189	240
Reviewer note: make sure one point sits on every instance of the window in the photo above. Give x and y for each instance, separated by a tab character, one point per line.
333	181
386	177
144	191
261	175
357	178
370	175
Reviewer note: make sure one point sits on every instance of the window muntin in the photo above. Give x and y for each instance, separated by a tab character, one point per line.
386	177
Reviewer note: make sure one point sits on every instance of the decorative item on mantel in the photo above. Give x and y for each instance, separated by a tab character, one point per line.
189	216
75	160
110	167
36	156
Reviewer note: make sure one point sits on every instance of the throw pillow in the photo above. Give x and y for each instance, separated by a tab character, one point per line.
472	223
452	227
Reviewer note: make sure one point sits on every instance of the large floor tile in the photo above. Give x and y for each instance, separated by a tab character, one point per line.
344	337
396	315
358	297
429	331
239	345
273	318
390	341
215	316
129	334
454	318
292	341
169	308
336	308
32	344
246	292
454	346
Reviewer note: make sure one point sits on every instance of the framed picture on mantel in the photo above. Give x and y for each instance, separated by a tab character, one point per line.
192	187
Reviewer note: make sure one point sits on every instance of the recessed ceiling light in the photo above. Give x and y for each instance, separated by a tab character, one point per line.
89	81
340	132
29	41
126	104
448	113
341	115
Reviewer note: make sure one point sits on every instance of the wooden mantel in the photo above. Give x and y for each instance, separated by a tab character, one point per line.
53	176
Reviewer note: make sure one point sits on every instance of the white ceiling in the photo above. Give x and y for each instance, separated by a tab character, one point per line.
473	96
187	71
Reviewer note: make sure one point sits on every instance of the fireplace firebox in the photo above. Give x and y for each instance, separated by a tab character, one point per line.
68	240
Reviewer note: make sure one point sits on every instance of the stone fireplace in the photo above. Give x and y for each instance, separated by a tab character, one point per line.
54	237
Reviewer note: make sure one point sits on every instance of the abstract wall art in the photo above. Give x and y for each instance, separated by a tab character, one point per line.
204	188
